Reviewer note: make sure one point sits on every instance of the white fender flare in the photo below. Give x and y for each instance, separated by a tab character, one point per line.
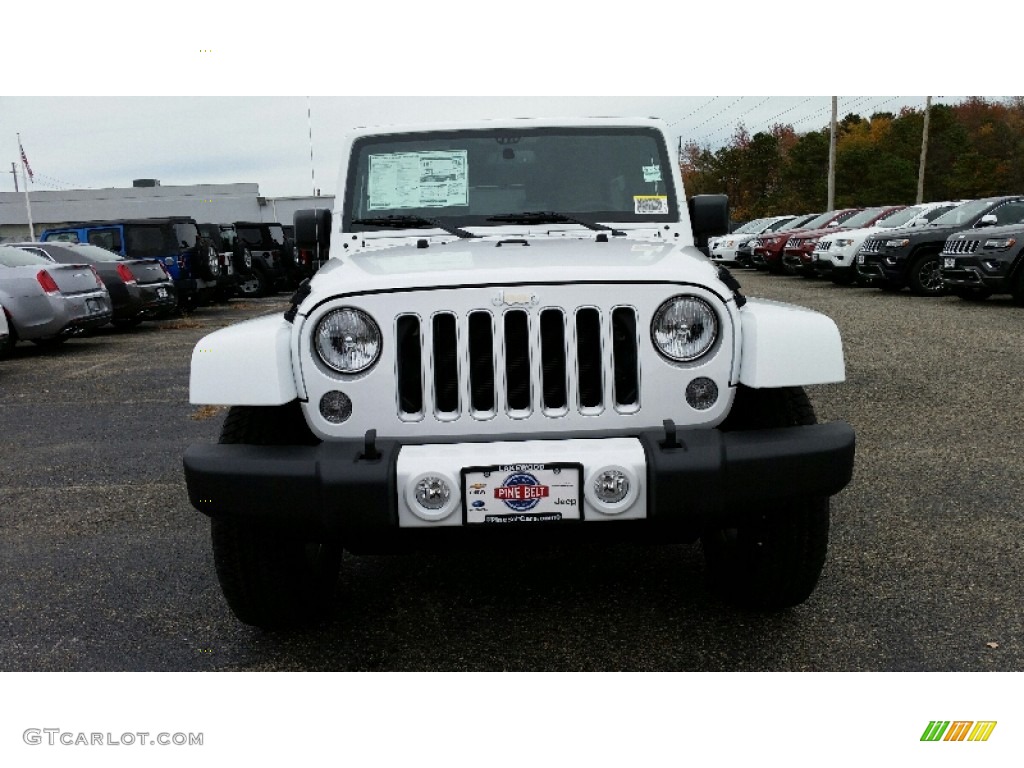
784	345
245	364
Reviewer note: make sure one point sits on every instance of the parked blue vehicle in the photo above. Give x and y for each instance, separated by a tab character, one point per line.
191	260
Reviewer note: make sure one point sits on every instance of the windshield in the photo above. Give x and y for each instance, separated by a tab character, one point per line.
751	226
187	234
15	257
94	253
149	241
862	219
781	224
276	233
962	213
900	217
819	221
463	178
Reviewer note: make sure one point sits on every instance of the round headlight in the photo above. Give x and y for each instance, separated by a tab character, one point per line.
684	328
347	340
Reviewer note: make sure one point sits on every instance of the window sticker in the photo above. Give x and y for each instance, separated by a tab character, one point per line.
650	204
418	180
652	173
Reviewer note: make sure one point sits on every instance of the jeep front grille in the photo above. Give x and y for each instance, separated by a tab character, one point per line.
961	246
516	363
871	246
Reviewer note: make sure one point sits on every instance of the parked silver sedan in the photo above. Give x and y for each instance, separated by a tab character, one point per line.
140	289
47	303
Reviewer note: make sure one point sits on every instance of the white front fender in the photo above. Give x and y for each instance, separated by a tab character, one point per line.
784	345
245	364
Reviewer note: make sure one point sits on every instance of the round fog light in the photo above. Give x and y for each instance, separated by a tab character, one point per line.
432	493
335	406
701	393
611	486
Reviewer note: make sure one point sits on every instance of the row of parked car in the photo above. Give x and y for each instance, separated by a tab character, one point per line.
84	275
970	248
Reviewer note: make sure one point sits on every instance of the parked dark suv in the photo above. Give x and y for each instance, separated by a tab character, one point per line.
977	264
191	260
912	257
269	252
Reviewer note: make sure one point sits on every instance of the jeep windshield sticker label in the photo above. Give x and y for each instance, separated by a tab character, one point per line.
652	173
418	180
650	204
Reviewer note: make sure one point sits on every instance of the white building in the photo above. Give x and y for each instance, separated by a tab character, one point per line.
213	203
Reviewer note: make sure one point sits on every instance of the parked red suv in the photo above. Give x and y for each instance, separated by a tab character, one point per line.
768	250
797	254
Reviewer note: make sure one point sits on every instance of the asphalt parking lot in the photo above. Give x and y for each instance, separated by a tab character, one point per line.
106	566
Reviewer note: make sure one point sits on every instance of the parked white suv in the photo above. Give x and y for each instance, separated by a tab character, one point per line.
834	254
515	340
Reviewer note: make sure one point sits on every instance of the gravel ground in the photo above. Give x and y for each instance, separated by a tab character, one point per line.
106	566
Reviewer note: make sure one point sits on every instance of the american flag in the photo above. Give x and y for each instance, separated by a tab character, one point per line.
24	161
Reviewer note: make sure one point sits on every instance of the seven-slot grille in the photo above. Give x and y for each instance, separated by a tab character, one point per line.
871	246
517	362
961	246
823	245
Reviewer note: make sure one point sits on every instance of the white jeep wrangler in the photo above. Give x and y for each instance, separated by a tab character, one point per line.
515	340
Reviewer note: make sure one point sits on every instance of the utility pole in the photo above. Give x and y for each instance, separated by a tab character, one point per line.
14	173
832	157
924	150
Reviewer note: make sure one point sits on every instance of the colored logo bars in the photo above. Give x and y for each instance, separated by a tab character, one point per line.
958	730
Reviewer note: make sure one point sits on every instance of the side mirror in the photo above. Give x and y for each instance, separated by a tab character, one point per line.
988	220
709	216
312	229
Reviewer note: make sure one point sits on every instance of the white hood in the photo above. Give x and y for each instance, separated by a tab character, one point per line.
494	261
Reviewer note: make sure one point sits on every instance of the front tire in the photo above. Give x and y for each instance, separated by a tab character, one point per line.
271	576
768	557
926	277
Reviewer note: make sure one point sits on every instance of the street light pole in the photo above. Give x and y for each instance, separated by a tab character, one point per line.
832	157
924	150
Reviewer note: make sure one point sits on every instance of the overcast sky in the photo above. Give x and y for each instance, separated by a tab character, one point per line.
100	142
703	71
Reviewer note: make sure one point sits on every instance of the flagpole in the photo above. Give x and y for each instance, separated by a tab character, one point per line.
28	203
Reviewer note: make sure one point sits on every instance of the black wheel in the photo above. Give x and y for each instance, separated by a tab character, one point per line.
271	576
769	557
210	262
926	276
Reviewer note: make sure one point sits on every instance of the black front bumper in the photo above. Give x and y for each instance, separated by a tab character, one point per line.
342	489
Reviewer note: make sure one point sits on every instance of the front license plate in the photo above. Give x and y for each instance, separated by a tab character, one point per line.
522	493
161	293
949	263
94	306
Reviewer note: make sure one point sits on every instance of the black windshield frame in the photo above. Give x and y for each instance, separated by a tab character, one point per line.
488	150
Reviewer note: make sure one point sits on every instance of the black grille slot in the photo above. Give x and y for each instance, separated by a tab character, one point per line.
410	371
446	364
624	351
517	360
481	362
552	358
588	357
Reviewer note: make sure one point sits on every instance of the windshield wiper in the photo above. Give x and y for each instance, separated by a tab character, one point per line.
412	222
553	217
